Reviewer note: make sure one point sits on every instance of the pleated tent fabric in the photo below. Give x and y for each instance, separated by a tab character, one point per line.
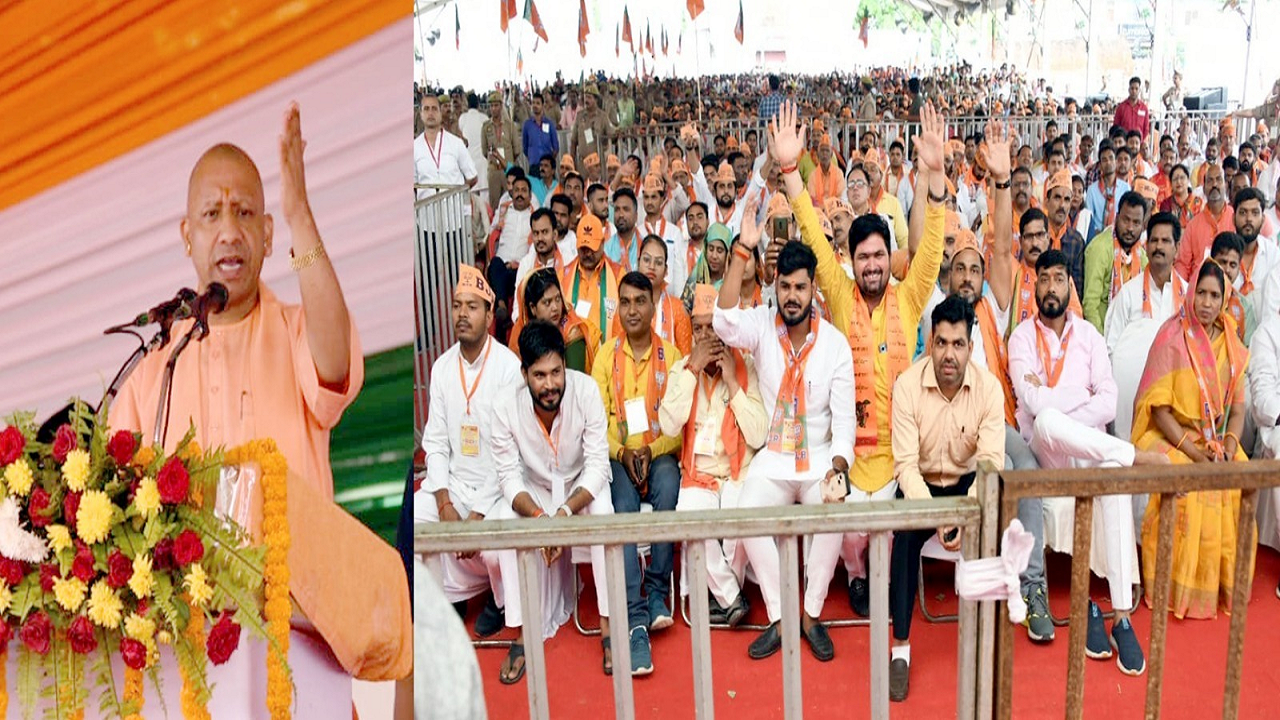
95	155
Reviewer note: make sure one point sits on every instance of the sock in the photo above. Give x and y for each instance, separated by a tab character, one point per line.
901	652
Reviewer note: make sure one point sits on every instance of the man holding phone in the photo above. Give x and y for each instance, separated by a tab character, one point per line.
948	416
632	370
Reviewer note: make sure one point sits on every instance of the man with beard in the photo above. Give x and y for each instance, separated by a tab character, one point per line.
590	131
840	215
728	209
713	401
690	248
1260	254
544	251
551	457
941	403
1210	159
632	371
508	243
1101	196
1163	183
1216	217
1113	258
575	188
623	246
1156	293
880	321
460	483
590	282
806	381
562	210
1066	394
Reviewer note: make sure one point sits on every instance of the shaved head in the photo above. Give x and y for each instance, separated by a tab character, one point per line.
223	153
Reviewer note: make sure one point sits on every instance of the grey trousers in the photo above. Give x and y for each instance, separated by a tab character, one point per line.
1018	456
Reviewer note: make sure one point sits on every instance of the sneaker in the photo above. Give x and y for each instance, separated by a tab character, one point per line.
641	654
860	597
491	619
1096	644
659	615
716	613
1039	623
737	612
767	644
1129	656
899	679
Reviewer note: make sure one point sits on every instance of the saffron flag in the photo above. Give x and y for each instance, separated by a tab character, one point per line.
737	29
583	28
617	46
457	30
696	7
508	11
626	29
648	38
519	62
532	17
664	42
862	31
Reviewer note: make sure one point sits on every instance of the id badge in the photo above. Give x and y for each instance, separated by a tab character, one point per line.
470	440
582	308
610	307
546	128
789	430
704	443
590	136
636	417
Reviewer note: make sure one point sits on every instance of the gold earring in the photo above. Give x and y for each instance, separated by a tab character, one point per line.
188	245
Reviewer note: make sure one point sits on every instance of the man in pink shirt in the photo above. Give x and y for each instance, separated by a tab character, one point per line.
1132	114
1061	375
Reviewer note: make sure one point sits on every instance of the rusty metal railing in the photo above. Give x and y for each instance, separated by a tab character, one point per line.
1166	482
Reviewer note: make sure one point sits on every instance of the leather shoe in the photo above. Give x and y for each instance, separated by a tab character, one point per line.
899	672
820	642
769	642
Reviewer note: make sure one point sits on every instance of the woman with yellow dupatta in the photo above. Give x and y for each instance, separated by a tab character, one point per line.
543	300
1191	407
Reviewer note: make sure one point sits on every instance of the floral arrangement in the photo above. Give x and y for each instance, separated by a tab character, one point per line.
109	547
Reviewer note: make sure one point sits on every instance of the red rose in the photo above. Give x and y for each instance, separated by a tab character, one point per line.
119	569
122	446
142	607
11	445
187	548
12	571
70	506
224	638
64	442
35	632
162	555
173	482
48	574
82	566
38	507
81	635
134	653
6	634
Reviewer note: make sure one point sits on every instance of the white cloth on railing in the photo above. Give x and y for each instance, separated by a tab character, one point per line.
997	578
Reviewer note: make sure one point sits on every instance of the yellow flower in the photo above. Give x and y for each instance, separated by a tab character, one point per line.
141	581
105	608
197	585
93	519
144	457
139	628
69	592
75	471
191	453
18	477
6	596
165	637
147	498
59	537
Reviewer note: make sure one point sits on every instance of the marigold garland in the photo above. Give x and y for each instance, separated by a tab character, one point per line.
275	530
192	708
133	693
4	682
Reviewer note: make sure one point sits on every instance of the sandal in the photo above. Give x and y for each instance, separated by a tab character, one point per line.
608	657
515	653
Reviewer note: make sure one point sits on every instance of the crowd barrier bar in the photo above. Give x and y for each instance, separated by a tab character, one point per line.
787	524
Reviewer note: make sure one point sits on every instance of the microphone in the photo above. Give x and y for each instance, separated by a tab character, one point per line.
214	300
177	308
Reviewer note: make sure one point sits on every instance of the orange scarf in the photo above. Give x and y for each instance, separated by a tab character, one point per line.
656	388
1109	211
788	428
1024	297
1052	370
1146	292
1122	272
735	445
862	343
997	357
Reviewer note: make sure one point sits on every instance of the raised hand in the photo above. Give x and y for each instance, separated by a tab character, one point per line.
751	230
785	142
293	184
932	134
996	153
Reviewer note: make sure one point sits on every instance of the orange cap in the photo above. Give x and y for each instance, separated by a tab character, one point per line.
678	166
590	232
731	141
566	162
1146	189
778	206
833	205
612	161
704	299
471	282
592	160
824	141
825	224
952	227
652	183
725	174
1062	178
965	240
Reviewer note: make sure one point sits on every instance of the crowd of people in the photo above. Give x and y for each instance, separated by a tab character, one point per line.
771	320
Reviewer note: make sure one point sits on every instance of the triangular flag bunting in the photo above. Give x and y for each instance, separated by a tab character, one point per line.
696	7
626	29
664	42
457	30
737	29
583	28
532	17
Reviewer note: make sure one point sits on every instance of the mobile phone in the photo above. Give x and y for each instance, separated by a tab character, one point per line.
780	228
951	535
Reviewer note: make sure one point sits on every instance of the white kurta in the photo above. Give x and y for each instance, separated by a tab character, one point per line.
1127	305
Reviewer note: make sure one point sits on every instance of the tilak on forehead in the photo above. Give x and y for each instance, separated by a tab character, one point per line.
224	151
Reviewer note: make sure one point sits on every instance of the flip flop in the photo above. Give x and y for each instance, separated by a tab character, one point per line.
607	662
516	652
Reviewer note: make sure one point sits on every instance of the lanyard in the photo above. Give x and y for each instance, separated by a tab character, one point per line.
1052	369
438	152
462	378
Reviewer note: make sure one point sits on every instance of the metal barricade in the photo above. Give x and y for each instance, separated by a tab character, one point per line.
787	524
442	241
1166	482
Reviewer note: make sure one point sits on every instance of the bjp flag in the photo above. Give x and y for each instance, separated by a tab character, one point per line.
696	7
508	12
737	29
531	16
583	28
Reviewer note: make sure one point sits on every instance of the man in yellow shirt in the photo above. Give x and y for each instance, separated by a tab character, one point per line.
632	371
880	321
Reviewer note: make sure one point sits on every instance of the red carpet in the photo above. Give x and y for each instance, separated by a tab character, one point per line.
1195	669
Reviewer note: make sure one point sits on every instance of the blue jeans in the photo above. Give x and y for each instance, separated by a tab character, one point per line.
1018	456
662	493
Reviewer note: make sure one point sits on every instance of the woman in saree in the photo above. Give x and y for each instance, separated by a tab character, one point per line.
1191	407
543	300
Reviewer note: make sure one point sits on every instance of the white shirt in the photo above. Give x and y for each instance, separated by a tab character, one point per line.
470	480
525	460
1264	262
447	163
472	126
677	270
513	241
1126	306
829	393
1264	373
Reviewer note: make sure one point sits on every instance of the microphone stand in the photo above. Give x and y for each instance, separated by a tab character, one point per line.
201	326
159	340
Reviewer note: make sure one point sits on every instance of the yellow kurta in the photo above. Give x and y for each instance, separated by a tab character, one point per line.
635	381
